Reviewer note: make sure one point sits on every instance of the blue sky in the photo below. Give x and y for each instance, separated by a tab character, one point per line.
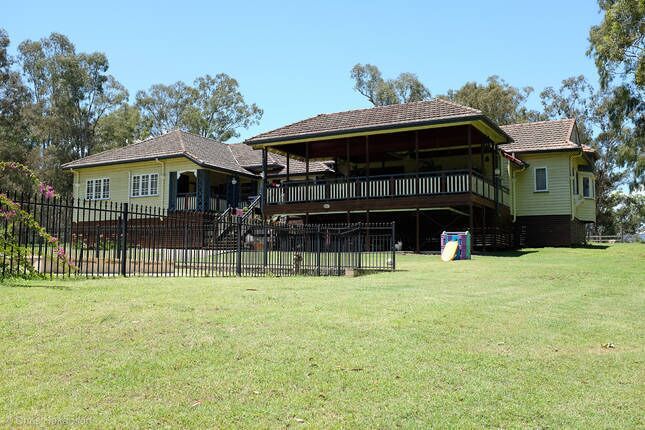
293	58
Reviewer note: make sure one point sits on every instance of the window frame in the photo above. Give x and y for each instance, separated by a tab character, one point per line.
148	181
101	181
546	179
592	191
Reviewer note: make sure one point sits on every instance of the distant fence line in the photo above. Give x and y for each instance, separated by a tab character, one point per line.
102	238
607	238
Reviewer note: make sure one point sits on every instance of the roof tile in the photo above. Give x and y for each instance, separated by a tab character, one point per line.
540	136
238	158
381	116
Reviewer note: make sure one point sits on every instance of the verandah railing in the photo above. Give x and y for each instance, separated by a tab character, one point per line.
188	201
403	185
102	238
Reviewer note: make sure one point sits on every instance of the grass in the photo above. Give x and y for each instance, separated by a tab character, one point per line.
508	341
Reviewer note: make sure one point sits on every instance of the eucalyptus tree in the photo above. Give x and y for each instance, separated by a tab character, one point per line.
369	82
617	46
212	107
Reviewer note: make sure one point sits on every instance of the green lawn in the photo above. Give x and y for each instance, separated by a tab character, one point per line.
511	341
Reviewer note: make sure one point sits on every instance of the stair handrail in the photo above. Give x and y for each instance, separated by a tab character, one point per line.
250	208
224	214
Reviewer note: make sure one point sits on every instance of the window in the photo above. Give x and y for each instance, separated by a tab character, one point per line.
106	188
145	185
541	179
587	187
97	189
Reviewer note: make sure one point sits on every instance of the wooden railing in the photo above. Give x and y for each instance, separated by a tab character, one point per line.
371	187
188	202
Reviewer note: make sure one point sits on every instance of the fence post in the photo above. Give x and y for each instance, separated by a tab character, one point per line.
338	250
393	246
265	245
360	245
238	246
124	239
318	249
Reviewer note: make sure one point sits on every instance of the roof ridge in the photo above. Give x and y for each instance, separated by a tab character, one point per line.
234	157
456	104
573	123
538	122
182	145
392	106
199	136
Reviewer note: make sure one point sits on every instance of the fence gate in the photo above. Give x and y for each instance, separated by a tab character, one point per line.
100	238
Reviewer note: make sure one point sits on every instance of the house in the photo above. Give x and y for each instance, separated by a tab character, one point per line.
177	171
437	165
553	194
428	166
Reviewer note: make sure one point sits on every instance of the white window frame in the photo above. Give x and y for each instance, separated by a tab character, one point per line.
101	182
148	180
546	179
592	190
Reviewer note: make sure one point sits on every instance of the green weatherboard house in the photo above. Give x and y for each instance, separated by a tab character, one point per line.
428	166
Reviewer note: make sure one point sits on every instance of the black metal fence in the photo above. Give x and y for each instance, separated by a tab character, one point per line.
102	238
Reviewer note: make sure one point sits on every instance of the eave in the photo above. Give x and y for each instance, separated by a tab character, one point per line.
200	163
481	122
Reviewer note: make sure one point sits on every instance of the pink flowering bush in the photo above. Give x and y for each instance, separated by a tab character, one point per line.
13	214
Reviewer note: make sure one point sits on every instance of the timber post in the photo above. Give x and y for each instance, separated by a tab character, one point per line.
124	239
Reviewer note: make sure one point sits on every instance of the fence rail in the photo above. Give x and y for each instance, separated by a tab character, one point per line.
612	238
101	238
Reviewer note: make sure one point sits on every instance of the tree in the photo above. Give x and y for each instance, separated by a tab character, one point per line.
213	107
501	102
165	107
119	128
577	98
221	108
618	49
14	96
380	92
70	92
629	213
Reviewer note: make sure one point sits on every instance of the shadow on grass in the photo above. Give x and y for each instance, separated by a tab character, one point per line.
513	253
50	286
592	246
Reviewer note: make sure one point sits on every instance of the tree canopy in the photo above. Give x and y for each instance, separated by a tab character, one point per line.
380	92
212	107
503	103
57	105
617	45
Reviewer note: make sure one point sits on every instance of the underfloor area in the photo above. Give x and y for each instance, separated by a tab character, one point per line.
422	231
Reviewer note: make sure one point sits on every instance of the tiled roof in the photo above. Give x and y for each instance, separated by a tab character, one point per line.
297	167
251	159
206	152
373	118
540	136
